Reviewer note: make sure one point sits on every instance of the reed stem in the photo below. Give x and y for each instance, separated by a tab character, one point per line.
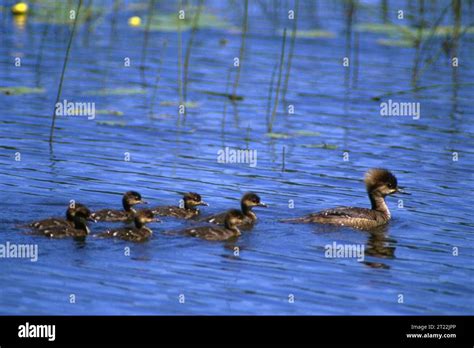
242	49
277	92
66	59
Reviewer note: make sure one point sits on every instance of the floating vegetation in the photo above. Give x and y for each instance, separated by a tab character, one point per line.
277	135
407	34
109	112
421	88
19	90
300	133
305	133
112	123
320	146
314	34
117	91
384	28
58	13
169	22
188	104
396	42
221	94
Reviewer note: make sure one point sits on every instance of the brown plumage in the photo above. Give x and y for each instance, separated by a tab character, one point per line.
129	199
79	229
247	202
379	183
139	233
191	201
230	230
58	222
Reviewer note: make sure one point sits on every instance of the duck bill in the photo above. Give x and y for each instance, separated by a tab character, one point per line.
142	202
203	203
261	204
402	191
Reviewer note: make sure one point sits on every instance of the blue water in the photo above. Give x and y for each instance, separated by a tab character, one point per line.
334	114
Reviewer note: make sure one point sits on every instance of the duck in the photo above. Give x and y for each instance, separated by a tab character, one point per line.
138	233
79	229
57	221
379	183
248	201
191	201
129	199
233	218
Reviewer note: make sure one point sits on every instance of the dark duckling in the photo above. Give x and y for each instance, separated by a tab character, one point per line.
129	199
139	233
230	230
189	210
59	222
248	201
79	230
379	183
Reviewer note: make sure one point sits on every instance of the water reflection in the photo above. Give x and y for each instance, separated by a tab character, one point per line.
380	245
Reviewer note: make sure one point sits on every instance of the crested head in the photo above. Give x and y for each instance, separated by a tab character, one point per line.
382	180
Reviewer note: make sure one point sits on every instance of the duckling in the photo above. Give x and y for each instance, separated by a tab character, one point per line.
129	199
58	222
139	233
233	218
79	230
191	201
379	183
248	201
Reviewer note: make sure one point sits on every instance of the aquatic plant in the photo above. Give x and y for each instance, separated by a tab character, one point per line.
292	48
66	59
277	89
242	48
188	49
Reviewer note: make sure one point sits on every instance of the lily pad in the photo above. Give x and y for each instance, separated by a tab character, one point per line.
19	90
